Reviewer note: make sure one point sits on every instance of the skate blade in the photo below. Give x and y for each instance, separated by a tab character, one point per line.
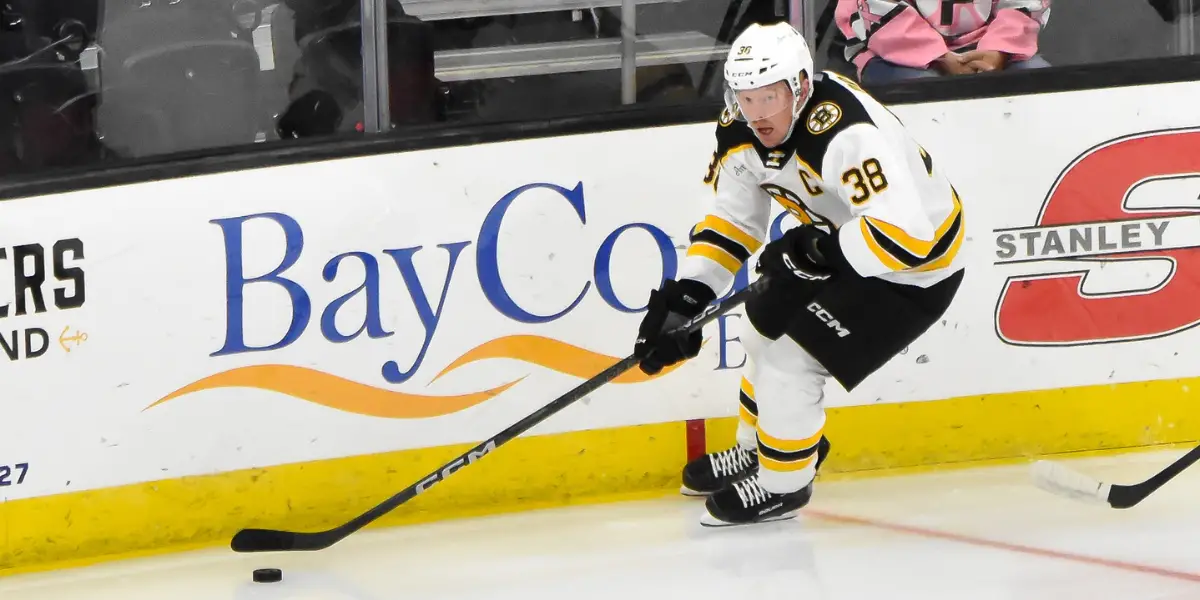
689	492
707	520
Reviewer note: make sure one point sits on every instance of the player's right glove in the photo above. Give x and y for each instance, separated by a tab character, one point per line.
673	305
796	255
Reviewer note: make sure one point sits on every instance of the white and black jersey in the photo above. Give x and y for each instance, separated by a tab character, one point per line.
849	166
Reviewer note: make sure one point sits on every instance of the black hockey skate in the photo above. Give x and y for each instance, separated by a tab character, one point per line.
745	501
715	471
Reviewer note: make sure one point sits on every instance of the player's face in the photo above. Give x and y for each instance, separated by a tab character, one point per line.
768	110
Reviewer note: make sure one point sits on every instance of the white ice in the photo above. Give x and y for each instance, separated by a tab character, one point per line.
967	534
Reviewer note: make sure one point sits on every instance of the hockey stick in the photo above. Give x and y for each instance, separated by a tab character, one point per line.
270	540
1064	481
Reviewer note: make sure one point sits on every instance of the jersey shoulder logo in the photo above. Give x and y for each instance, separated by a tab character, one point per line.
823	117
726	119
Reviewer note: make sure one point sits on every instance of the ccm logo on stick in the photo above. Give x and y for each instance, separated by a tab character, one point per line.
828	319
449	469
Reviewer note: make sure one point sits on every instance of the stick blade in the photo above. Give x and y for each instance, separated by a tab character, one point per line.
1062	481
263	540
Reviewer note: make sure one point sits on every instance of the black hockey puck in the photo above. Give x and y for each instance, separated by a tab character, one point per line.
268	575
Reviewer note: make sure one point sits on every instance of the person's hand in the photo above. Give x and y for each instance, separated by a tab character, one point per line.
983	61
670	307
953	63
795	255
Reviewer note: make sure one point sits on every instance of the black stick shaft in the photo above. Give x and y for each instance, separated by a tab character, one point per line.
490	445
262	540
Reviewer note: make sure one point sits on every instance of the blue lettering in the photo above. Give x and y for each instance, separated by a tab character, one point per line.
724	340
429	316
6	472
372	321
236	281
603	274
487	254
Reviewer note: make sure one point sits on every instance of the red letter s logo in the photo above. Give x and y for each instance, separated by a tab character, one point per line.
1096	218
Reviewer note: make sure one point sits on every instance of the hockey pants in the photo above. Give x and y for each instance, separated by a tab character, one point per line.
782	411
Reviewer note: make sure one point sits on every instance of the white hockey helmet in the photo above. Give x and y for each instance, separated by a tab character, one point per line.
761	56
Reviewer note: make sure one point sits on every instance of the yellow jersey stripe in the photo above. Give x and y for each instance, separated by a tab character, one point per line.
946	259
715	254
731	231
884	256
917	247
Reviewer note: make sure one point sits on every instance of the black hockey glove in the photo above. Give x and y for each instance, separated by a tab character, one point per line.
798	254
672	306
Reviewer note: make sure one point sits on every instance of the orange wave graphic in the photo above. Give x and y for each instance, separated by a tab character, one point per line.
337	393
552	354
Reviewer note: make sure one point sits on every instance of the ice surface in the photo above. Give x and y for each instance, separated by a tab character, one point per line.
975	534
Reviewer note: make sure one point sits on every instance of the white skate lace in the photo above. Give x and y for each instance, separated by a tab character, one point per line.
731	461
750	492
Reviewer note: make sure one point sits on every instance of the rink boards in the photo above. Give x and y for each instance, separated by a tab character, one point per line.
286	347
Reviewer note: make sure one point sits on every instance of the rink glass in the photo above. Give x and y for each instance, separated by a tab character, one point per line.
89	84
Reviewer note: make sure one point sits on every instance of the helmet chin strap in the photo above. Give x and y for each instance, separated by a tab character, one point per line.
801	99
795	117
798	106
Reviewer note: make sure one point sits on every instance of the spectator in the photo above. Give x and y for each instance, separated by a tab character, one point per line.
895	40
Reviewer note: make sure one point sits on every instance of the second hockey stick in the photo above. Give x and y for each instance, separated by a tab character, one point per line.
271	540
1059	479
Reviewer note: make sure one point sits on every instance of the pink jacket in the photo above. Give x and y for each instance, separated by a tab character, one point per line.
914	33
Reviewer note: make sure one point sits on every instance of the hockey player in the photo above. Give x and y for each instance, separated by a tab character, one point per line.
871	266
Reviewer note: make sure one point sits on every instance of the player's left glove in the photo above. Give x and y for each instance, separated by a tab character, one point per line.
675	304
797	254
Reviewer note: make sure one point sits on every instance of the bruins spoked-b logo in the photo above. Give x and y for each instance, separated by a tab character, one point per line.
823	117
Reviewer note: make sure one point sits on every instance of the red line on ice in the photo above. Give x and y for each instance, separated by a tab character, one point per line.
1019	548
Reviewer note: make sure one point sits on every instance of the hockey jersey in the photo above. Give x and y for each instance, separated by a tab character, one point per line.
849	167
914	33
